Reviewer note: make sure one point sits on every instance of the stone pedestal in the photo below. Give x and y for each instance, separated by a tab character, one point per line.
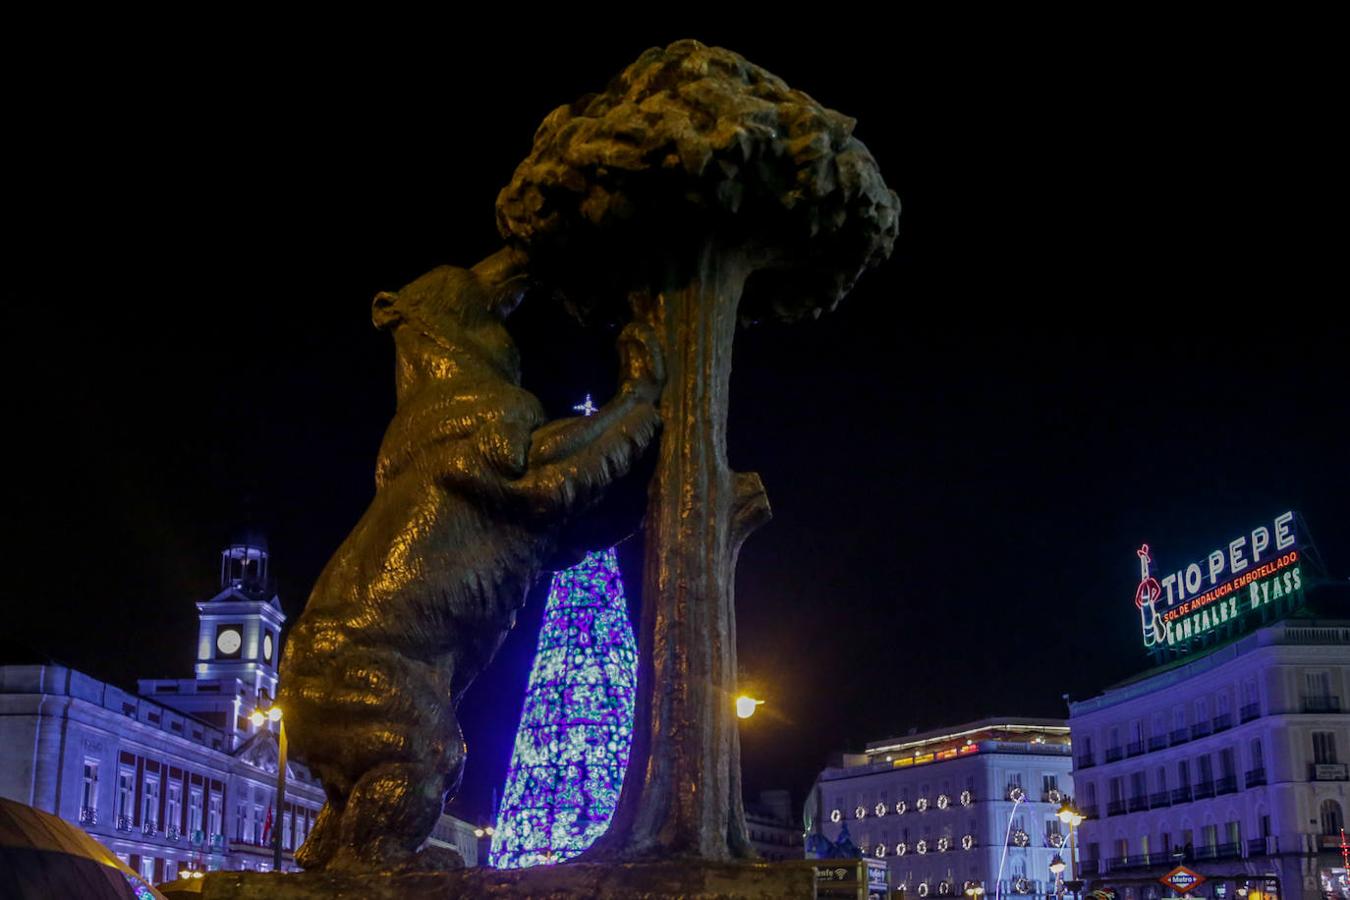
688	880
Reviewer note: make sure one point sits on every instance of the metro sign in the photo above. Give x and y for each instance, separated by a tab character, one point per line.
1182	879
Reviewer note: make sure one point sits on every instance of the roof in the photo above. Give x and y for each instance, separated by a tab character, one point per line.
953	732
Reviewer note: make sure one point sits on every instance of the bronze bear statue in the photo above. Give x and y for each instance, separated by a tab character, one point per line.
473	488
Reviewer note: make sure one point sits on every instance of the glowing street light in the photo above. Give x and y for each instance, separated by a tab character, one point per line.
258	717
974	890
1073	818
745	706
1057	864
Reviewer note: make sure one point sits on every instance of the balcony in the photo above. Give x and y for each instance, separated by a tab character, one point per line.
1115	808
1223	722
124	823
1134	748
150	829
1251	711
1256	777
1159	800
1086	761
1228	851
1226	785
1205	852
1261	846
218	843
1203	791
1327	772
1181	795
1199	730
1329	841
197	837
172	833
1114	754
1089	811
1321	704
1139	804
1088	866
88	815
1157	742
1135	861
1179	736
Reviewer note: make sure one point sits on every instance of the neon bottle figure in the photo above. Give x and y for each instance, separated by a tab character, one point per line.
1145	598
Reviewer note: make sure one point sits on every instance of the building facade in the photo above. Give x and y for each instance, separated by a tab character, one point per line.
774	832
176	778
1233	761
951	809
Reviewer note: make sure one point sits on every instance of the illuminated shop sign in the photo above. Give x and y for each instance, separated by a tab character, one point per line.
1254	571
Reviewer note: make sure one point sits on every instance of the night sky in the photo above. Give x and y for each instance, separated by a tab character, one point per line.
1106	321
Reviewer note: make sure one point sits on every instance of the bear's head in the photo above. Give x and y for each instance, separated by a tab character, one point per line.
461	310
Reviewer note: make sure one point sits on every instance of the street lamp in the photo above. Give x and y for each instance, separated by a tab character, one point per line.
257	717
745	706
1073	818
974	890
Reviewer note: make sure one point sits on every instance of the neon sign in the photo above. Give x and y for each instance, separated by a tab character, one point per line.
1253	571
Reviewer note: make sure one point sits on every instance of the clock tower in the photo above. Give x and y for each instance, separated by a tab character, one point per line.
238	646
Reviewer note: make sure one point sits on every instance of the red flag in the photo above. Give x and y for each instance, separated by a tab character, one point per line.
267	825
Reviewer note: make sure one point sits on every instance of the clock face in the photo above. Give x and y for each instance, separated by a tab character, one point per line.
228	641
267	647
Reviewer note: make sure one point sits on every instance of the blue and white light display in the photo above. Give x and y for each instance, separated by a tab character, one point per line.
576	729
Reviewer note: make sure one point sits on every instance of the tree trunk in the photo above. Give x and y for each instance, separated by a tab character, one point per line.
682	792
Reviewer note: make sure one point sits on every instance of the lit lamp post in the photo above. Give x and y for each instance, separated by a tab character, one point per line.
1073	818
974	890
257	718
1057	869
745	706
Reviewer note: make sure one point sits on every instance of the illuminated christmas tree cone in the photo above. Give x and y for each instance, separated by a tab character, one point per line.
576	728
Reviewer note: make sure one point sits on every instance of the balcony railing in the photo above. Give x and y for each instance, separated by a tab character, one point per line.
1223	722
1226	785
149	829
1134	861
172	833
1088	866
1321	704
1204	851
1157	742
1251	711
218	843
1089	811
1260	846
1139	804
1178	736
1327	772
88	815
1200	729
1228	851
1159	800
1256	777
1181	795
1203	790
124	823
1115	808
1085	761
1134	748
1113	754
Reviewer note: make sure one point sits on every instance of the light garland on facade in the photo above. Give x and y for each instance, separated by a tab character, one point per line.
901	848
922	847
944	844
836	816
944	888
880	809
968	842
1056	840
901	807
967	798
1020	838
1022	886
860	812
943	801
1016	794
880	851
921	804
923	889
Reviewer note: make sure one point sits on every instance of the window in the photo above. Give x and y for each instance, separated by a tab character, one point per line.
1206	765
1183	773
1162	779
1117	789
1210	835
1049	783
1248	693
258	824
1179	718
286	832
148	868
1138	786
1091	793
1258	758
170	869
1324	747
217	824
1233	833
1227	762
195	810
89	799
1332	821
1123	848
1317	684
150	801
173	806
1201	709
126	792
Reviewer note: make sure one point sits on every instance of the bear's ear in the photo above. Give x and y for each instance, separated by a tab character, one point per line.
384	310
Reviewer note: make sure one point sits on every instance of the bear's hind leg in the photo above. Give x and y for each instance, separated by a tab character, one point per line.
390	812
323	841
